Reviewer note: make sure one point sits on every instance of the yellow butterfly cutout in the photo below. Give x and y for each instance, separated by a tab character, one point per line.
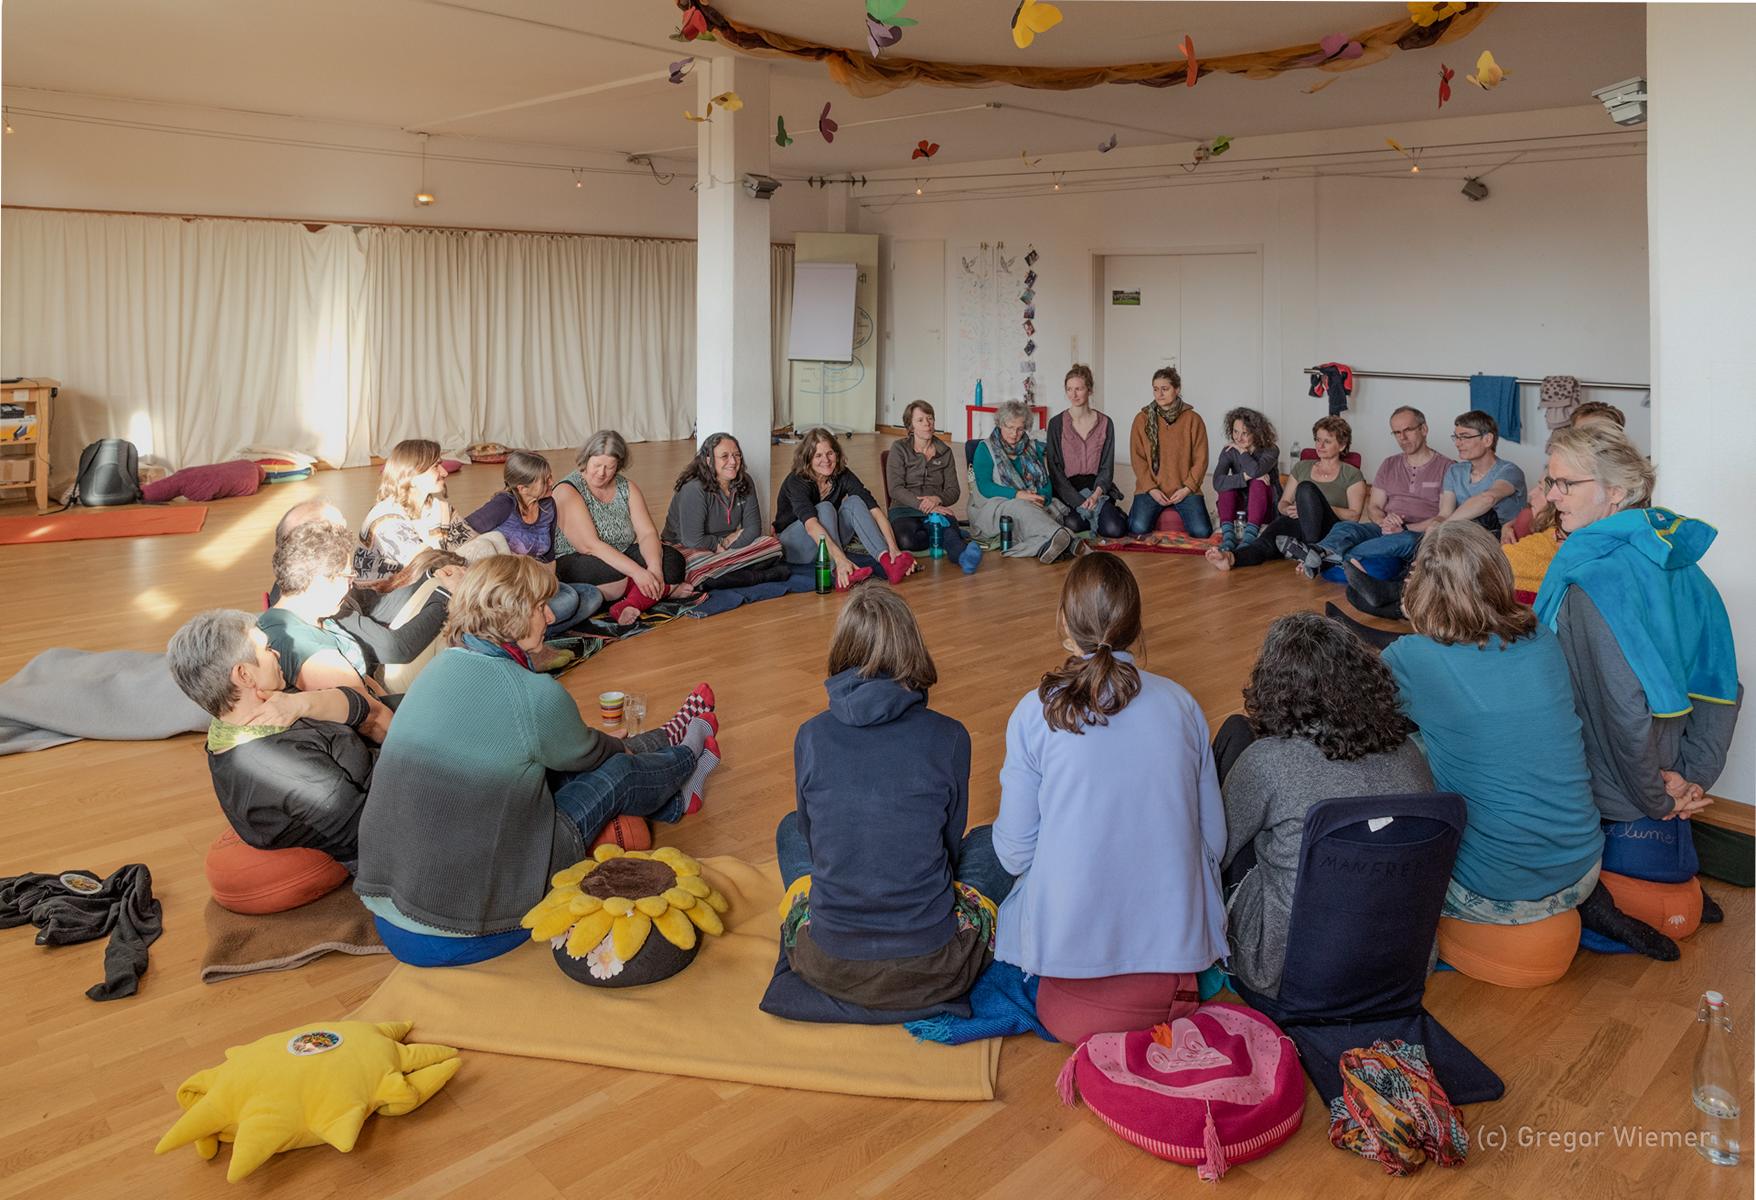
730	101
1430	14
1031	18
706	116
1488	72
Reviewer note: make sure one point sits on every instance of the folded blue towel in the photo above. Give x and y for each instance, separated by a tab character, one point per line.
1497	395
1002	1003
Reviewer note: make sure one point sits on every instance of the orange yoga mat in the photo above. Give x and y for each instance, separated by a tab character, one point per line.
102	523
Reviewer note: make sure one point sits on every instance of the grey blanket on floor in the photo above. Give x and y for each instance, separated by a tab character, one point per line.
121	695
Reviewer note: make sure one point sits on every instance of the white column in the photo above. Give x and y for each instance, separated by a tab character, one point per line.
1700	177
733	370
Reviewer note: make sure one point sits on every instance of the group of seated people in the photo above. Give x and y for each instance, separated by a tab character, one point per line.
1129	852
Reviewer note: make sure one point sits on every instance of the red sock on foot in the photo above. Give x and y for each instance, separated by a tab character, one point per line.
698	703
636	599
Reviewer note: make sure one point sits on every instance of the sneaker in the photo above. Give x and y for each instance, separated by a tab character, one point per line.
1057	546
971	558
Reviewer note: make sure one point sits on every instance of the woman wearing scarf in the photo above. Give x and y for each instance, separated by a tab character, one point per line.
1012	480
1649	648
494	783
1169	449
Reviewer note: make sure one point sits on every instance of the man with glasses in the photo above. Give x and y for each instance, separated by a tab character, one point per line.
1481	487
1404	501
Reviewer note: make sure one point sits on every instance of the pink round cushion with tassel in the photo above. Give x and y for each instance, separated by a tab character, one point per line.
1220	1086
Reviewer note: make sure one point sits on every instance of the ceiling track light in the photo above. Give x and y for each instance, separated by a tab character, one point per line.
9	120
424	198
1058	175
578	180
918	190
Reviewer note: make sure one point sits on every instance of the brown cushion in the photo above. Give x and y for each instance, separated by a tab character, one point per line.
247	880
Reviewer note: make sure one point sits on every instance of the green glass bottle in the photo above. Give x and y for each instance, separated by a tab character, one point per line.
825	568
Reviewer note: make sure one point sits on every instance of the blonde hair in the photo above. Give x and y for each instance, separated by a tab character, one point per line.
405	461
1605	452
877	635
496	597
1460	588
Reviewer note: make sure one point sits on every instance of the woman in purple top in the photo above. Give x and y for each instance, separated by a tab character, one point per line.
524	513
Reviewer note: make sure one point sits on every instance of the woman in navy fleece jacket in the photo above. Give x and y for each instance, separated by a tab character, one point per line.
872	852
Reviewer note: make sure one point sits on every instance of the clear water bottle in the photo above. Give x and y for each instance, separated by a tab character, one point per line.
1716	1084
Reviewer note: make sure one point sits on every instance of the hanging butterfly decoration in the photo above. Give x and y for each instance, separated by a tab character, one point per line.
681	68
730	101
694	27
1219	145
1104	147
1187	46
825	126
925	149
1424	15
1024	157
1334	48
880	35
1488	72
1446	75
884	24
1031	18
782	138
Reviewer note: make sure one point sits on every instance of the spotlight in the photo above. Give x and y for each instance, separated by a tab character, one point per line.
1475	189
1625	101
8	120
917	187
424	198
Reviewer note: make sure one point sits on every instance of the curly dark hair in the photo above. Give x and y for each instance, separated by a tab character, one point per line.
1260	427
701	469
1316	680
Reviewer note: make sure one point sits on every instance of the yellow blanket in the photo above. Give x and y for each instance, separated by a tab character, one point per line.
703	1022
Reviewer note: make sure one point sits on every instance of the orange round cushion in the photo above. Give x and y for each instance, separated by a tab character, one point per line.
247	880
630	833
1514	956
1674	909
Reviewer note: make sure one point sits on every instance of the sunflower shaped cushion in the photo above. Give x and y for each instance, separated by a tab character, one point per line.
602	913
307	1086
1220	1086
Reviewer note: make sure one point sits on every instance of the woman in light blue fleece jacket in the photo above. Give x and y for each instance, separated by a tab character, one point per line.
1111	815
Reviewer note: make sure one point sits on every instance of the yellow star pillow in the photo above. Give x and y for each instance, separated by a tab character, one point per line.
307	1086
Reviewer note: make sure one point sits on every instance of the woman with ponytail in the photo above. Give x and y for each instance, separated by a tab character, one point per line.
1111	815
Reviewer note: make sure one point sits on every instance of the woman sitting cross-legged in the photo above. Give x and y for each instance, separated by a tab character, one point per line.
604	535
1320	721
715	519
413	512
823	503
1325	490
1488	687
1012	481
1111	818
892	903
921	476
524	514
489	781
1082	459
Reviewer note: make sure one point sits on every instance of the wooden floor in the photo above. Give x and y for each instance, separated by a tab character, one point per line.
86	1089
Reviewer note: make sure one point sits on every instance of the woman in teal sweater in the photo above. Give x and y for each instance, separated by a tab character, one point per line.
493	782
1012	480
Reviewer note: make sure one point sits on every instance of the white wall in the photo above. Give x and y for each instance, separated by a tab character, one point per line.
66	164
1700	179
1546	276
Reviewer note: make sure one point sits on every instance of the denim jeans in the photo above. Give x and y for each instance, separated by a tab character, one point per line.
854	520
1105	520
645	782
572	603
976	865
1375	543
1192	508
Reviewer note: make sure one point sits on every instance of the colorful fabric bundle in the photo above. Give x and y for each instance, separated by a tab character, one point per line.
1393	1109
1218	1087
487	452
283	470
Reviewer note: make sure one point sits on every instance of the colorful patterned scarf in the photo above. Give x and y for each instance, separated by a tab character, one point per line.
1020	467
1393	1109
971	909
1153	415
497	650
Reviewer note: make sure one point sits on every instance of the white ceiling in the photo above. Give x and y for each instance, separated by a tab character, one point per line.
423	64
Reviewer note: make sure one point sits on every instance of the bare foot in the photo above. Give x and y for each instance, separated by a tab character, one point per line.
1220	560
681	591
628	616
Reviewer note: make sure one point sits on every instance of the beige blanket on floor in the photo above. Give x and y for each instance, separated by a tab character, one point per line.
702	1022
242	944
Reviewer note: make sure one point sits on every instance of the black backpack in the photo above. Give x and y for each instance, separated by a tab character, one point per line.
109	474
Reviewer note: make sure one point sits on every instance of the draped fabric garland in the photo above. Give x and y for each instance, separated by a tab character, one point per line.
863	75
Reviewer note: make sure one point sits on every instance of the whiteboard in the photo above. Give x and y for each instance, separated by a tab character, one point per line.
823	311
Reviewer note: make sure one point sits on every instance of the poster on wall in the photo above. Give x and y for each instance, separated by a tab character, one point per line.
843	396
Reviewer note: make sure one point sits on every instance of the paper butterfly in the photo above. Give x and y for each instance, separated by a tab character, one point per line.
889	12
969	264
1107	146
730	101
782	138
1031	18
680	68
1194	69
1446	75
825	126
1006	264
1219	145
694	26
1428	14
1336	46
1488	72
1024	157
925	149
880	35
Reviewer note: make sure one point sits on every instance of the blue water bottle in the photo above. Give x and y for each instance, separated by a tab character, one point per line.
936	549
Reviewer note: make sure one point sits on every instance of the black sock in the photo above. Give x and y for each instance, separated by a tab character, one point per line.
1378	639
1711	912
1600	915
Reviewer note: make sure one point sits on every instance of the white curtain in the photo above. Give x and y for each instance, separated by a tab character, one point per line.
780	315
530	340
191	338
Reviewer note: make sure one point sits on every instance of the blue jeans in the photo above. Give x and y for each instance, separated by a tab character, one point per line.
1192	508
645	782
976	865
854	520
1105	520
572	603
1362	539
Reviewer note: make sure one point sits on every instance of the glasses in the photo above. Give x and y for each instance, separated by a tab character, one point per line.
1466	437
1564	486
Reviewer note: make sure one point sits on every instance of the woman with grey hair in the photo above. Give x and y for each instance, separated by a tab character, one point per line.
289	768
604	534
1012	482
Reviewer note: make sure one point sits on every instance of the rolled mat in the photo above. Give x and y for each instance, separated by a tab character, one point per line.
247	945
703	1022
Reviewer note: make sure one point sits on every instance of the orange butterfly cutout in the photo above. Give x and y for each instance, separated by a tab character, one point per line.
1194	69
925	149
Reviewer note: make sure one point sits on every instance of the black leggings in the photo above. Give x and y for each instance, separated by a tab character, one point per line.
913	534
584	568
1316	518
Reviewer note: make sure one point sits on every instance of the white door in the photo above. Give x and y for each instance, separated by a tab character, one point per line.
914	333
1222	336
1142	300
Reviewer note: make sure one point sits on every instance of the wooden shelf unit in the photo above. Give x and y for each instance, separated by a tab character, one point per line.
36	397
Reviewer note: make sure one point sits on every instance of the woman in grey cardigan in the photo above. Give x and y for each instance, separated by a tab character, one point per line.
1320	721
1082	459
